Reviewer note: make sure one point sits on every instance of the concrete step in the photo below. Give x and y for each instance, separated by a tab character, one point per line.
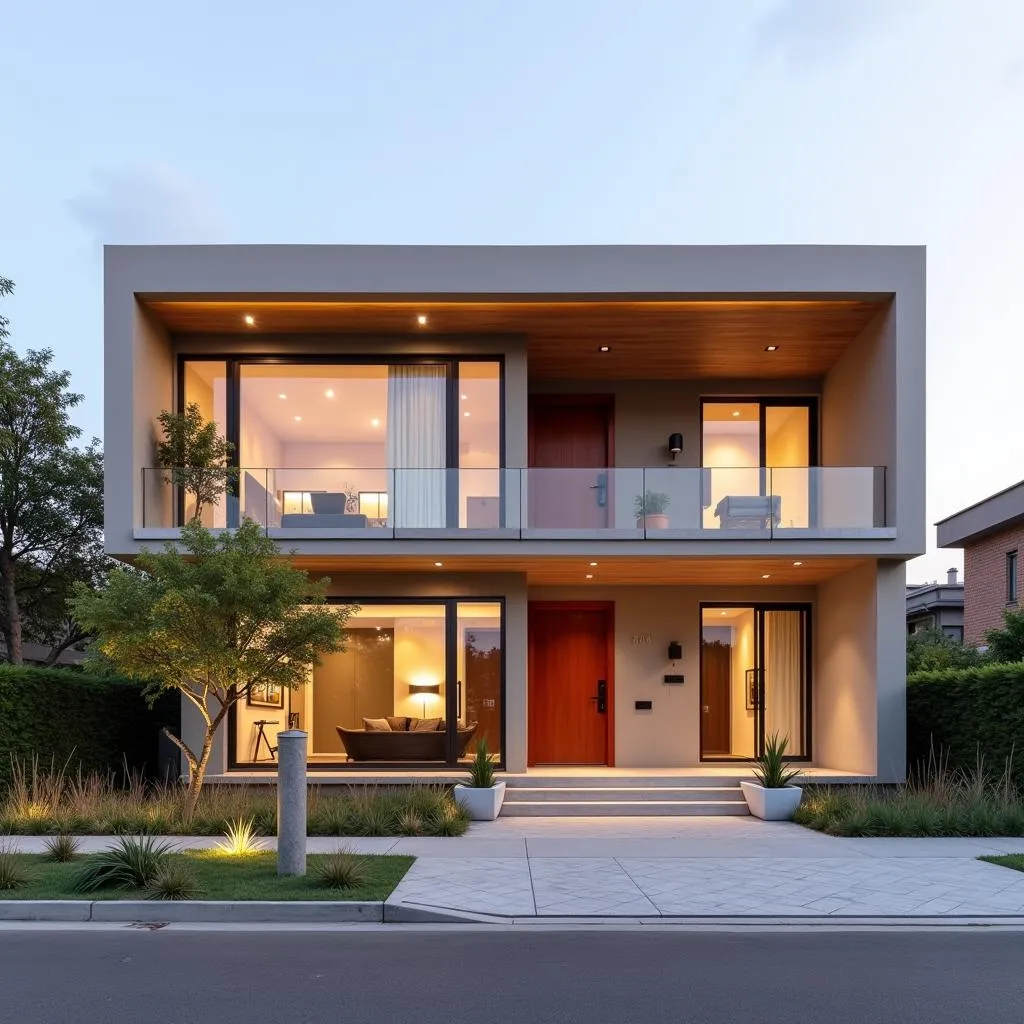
620	808
622	794
540	781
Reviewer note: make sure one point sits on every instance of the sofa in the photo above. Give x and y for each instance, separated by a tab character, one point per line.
749	511
404	739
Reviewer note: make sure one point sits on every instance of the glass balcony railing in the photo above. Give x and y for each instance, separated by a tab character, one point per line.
668	503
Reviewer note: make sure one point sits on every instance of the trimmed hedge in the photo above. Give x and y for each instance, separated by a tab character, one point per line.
964	711
97	722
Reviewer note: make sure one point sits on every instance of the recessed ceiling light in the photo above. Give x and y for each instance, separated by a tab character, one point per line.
374	423
466	414
592	564
765	575
736	413
250	321
725	613
438	564
464	397
590	575
298	419
282	395
422	319
798	563
605	348
329	392
771	348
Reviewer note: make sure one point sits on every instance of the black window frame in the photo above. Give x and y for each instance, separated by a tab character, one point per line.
453	420
1012	569
451	692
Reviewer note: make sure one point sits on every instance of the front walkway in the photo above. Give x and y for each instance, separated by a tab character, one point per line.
661	868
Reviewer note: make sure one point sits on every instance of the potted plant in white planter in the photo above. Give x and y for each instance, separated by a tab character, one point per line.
772	796
649	509
482	797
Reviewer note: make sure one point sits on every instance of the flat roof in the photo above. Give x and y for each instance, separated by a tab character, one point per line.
998	512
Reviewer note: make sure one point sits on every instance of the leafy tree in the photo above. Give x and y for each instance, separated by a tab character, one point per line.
930	650
51	492
194	456
213	620
1007	644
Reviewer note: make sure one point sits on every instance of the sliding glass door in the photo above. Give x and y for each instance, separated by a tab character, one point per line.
758	456
754	680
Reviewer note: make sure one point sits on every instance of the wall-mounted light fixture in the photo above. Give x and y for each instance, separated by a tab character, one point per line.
675	651
675	445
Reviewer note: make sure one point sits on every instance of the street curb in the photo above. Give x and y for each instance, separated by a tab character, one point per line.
196	911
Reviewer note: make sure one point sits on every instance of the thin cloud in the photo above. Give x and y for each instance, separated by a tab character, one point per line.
813	32
145	205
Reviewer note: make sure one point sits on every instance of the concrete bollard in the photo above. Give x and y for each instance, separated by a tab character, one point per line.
291	802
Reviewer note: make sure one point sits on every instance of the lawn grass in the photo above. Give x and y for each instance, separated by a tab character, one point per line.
253	877
1006	860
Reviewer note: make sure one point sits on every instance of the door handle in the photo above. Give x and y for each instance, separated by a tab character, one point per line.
706	708
602	489
601	697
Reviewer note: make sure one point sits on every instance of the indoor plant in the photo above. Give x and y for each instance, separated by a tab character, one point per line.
772	796
482	797
649	509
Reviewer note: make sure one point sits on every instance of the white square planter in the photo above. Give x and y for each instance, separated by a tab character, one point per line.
772	804
481	804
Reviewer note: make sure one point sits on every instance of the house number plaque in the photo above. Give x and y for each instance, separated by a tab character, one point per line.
641	638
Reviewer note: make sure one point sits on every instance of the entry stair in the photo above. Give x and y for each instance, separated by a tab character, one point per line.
539	795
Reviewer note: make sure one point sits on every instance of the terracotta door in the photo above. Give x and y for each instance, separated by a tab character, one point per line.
572	434
570	684
716	707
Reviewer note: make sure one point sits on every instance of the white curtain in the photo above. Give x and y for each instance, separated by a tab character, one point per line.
783	678
416	445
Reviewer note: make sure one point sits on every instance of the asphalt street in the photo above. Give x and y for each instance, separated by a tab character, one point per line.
174	976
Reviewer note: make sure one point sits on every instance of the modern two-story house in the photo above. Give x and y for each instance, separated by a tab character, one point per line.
630	507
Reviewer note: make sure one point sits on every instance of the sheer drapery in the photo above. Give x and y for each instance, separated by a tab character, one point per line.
416	445
783	678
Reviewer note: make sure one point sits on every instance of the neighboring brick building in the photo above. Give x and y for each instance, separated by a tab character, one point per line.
991	534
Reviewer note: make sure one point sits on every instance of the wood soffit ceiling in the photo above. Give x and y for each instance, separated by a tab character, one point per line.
610	569
652	339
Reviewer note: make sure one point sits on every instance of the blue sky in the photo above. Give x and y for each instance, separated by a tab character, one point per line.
542	121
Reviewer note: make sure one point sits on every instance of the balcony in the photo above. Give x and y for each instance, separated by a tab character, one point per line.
713	503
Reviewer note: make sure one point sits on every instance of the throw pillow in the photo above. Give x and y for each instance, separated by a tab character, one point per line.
376	725
398	723
424	724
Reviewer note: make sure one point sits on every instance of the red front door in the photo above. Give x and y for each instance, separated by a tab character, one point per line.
570	684
570	447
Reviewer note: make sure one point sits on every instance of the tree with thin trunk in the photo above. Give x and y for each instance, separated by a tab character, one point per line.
51	492
215	618
194	457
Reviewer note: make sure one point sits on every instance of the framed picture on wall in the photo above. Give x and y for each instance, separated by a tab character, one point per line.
265	695
751	688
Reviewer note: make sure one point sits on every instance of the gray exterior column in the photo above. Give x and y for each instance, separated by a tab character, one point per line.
291	802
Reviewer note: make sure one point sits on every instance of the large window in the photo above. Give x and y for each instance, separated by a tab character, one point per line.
358	446
204	383
418	683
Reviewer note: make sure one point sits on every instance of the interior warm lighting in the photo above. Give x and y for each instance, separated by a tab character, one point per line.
771	348
464	397
439	564
298	419
605	348
373	504
592	564
466	414
723	613
282	395
422	319
374	423
590	576
250	321
798	563
736	413
766	575
329	392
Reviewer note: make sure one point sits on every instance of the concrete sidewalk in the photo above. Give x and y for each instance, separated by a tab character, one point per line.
665	868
